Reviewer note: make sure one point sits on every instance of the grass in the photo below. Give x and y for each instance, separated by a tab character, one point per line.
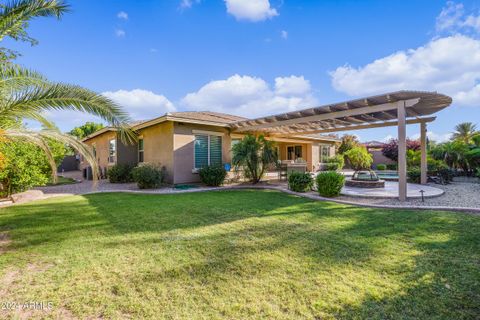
238	255
61	181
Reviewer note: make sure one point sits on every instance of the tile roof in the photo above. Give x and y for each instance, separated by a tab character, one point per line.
207	116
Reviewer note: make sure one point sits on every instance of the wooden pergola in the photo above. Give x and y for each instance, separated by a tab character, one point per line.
391	109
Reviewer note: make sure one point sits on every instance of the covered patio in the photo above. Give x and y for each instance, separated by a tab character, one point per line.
391	109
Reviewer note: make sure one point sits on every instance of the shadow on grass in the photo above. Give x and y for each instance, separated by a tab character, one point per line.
245	234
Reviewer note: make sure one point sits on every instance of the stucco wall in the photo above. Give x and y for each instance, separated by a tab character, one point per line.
184	150
158	146
101	146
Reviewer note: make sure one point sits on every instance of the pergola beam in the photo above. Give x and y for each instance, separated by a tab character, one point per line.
331	115
360	127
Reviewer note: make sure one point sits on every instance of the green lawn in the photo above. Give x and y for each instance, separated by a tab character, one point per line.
238	255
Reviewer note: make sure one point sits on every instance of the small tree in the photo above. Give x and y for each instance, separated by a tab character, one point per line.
254	155
85	130
390	149
349	141
359	158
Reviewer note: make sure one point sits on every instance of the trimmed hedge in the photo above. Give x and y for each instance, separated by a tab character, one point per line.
300	182
392	166
148	176
381	167
213	175
120	173
330	183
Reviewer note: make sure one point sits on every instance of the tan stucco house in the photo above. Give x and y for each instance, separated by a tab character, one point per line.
182	142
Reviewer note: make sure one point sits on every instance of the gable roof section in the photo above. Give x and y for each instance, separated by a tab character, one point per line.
197	117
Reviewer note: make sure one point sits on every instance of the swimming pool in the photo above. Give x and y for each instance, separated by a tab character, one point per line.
387	175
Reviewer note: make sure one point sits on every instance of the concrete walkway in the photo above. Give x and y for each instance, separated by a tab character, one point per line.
391	191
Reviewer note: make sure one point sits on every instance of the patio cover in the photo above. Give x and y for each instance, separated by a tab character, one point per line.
364	113
391	109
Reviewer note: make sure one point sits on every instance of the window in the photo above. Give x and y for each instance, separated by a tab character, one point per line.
112	150
294	152
208	150
324	153
140	150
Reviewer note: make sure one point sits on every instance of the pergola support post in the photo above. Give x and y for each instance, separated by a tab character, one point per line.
402	152
423	150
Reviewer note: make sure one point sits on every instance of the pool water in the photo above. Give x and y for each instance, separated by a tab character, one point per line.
387	175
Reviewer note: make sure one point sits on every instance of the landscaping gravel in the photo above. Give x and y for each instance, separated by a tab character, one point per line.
457	194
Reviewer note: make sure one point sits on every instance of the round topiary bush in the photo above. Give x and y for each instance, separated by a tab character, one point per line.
330	183
148	176
300	182
213	175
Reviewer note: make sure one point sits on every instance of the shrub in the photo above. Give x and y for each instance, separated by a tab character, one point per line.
330	183
120	173
148	176
477	173
300	182
338	159
332	166
359	158
446	174
414	175
390	149
381	166
213	175
392	166
23	166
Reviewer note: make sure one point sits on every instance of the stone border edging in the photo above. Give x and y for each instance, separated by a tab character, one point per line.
469	210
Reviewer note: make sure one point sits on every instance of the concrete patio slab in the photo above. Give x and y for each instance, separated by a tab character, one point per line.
391	191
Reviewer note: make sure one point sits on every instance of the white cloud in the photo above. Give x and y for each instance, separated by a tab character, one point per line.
433	136
120	33
284	34
252	97
122	15
388	138
187	4
141	104
292	85
449	65
453	19
252	10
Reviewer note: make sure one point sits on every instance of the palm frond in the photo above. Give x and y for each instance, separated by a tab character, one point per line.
15	15
14	77
31	102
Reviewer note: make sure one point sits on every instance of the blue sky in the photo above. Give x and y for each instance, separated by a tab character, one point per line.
259	57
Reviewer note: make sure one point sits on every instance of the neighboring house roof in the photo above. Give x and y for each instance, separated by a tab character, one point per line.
373	144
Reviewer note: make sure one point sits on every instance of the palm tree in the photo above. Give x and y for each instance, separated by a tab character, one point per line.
254	155
465	131
26	95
